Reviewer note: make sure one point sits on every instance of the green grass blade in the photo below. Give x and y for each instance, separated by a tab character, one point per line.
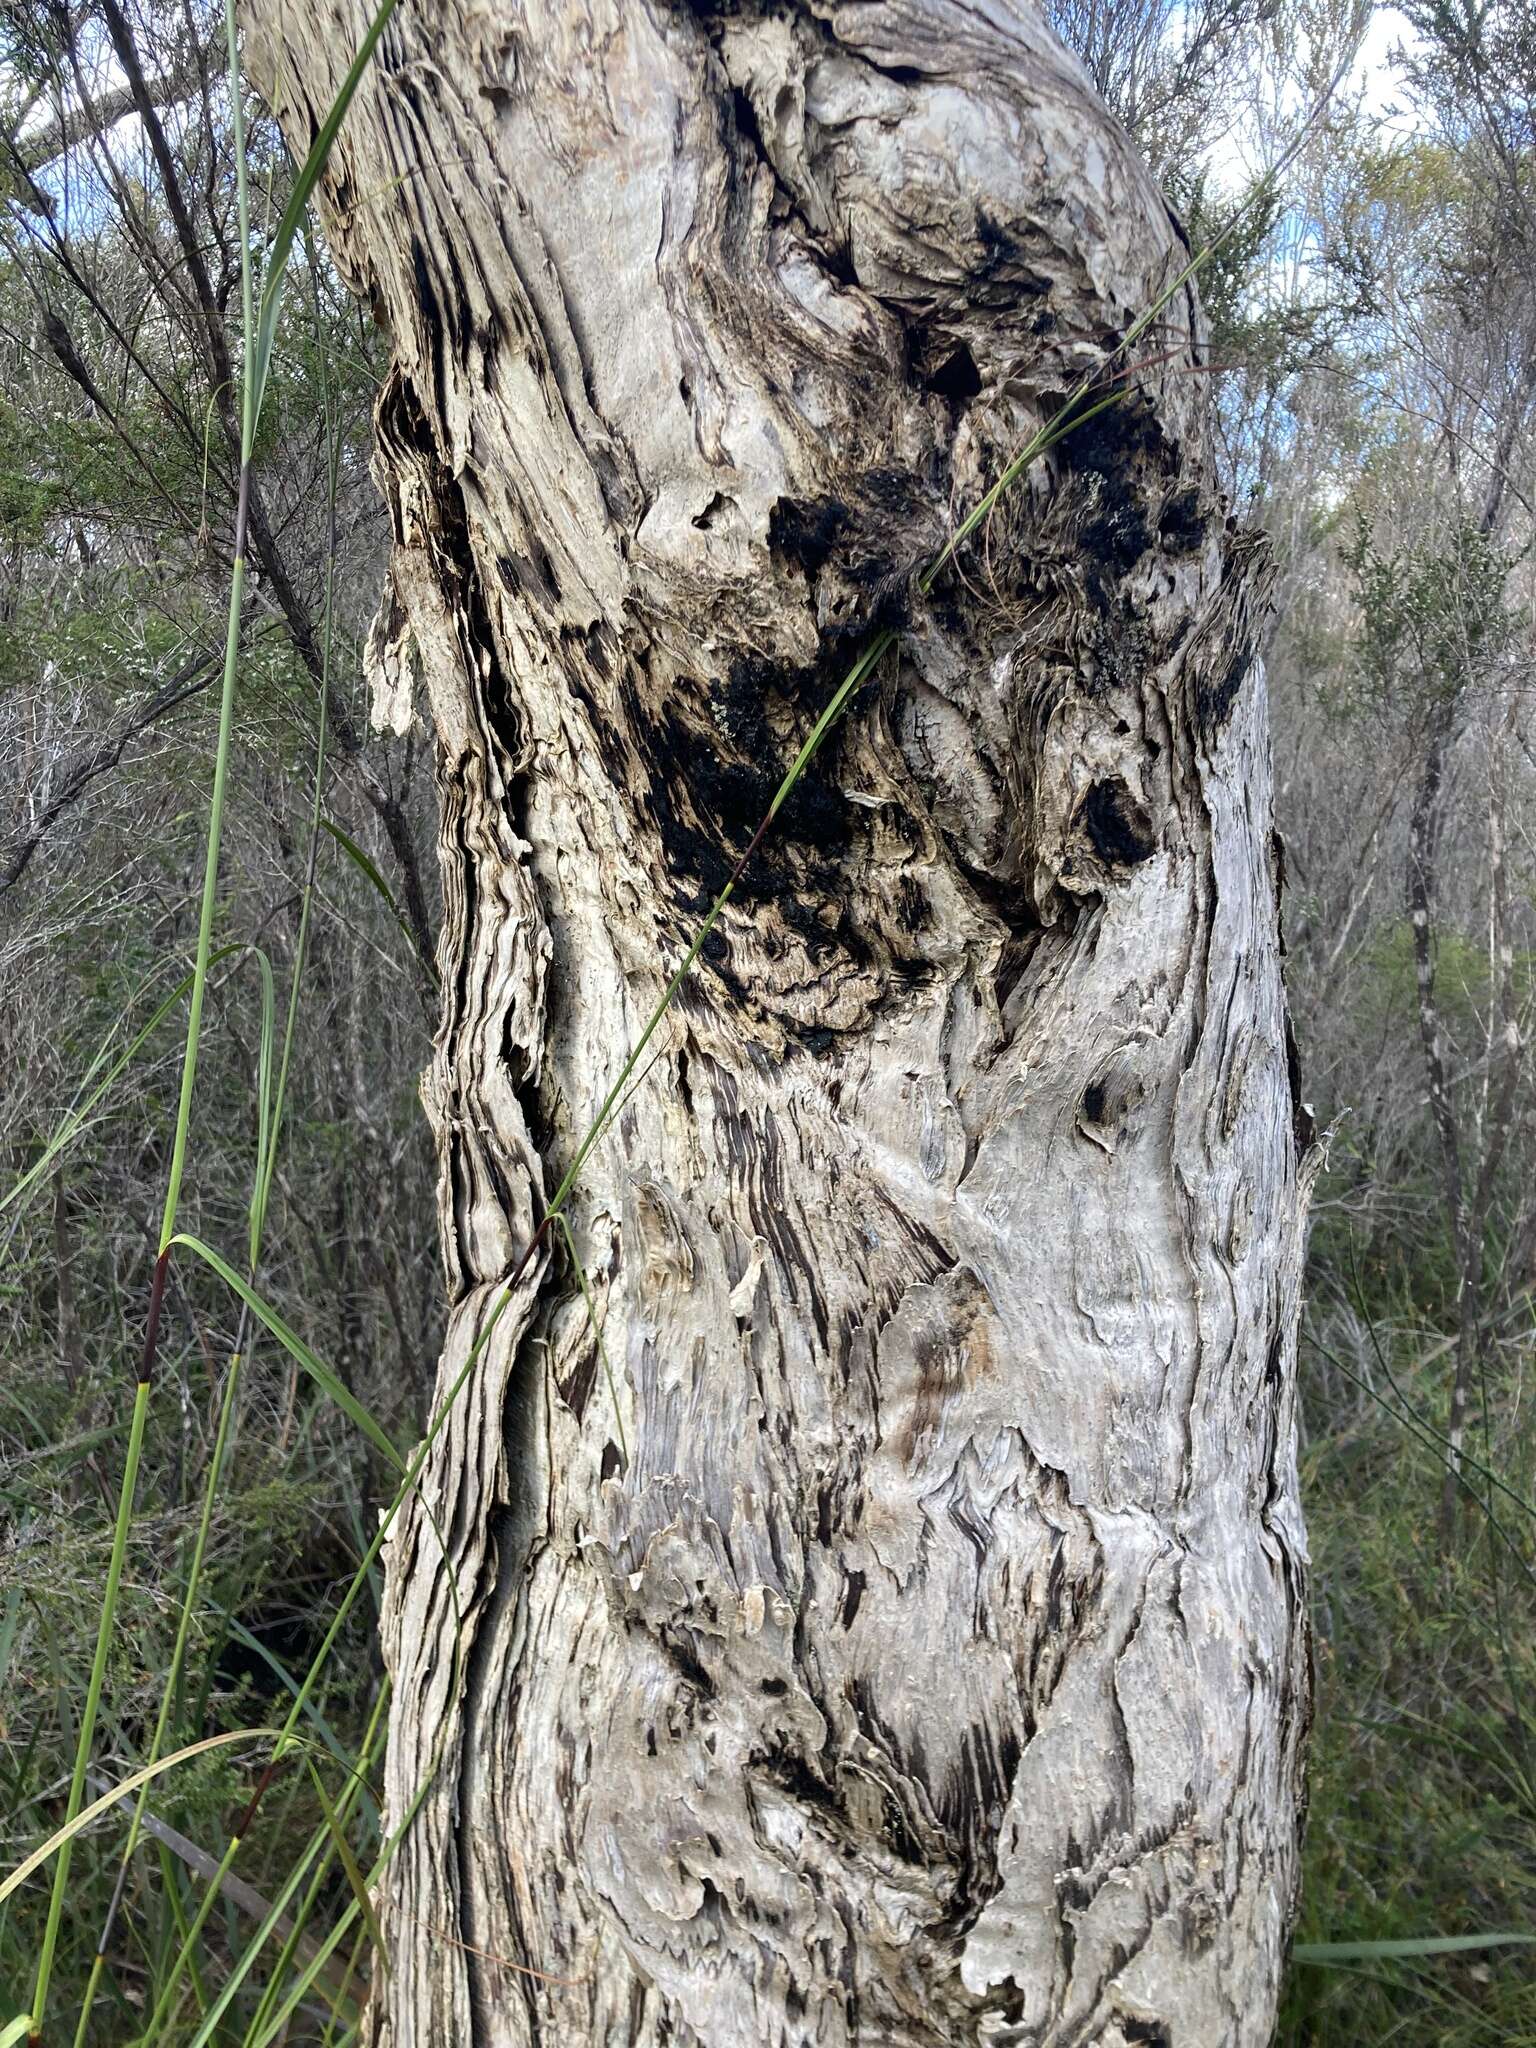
264	1064
64	1839
8	1629
298	202
153	2035
286	1679
210	884
294	1345
78	1118
355	1880
263	1189
349	1598
369	870
1325	1952
366	867
313	1850
178	1655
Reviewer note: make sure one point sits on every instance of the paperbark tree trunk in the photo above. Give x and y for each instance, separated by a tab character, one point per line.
908	1647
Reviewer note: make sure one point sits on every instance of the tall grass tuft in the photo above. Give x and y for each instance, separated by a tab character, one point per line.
260	328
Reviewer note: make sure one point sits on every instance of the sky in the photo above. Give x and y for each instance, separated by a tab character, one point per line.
1388	30
1239	157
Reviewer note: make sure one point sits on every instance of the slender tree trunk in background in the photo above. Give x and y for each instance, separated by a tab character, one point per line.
1422	884
1467	1184
932	1668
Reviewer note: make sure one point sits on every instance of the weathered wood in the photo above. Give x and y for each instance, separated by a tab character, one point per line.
932	1670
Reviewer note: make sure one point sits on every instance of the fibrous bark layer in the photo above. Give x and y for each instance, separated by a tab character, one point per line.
906	1645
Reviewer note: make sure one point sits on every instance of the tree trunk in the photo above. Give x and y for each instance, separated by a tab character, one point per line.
908	1647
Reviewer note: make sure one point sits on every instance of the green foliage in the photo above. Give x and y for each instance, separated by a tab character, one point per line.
1397	1257
1461	977
1423	1767
167	1592
1238	230
31	497
1434	614
60	1457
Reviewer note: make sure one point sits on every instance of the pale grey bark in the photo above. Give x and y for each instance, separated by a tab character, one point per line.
932	1669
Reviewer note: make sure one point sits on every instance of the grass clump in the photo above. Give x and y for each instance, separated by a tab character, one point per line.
1423	1793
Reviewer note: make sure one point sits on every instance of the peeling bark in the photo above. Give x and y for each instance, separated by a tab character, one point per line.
932	1669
